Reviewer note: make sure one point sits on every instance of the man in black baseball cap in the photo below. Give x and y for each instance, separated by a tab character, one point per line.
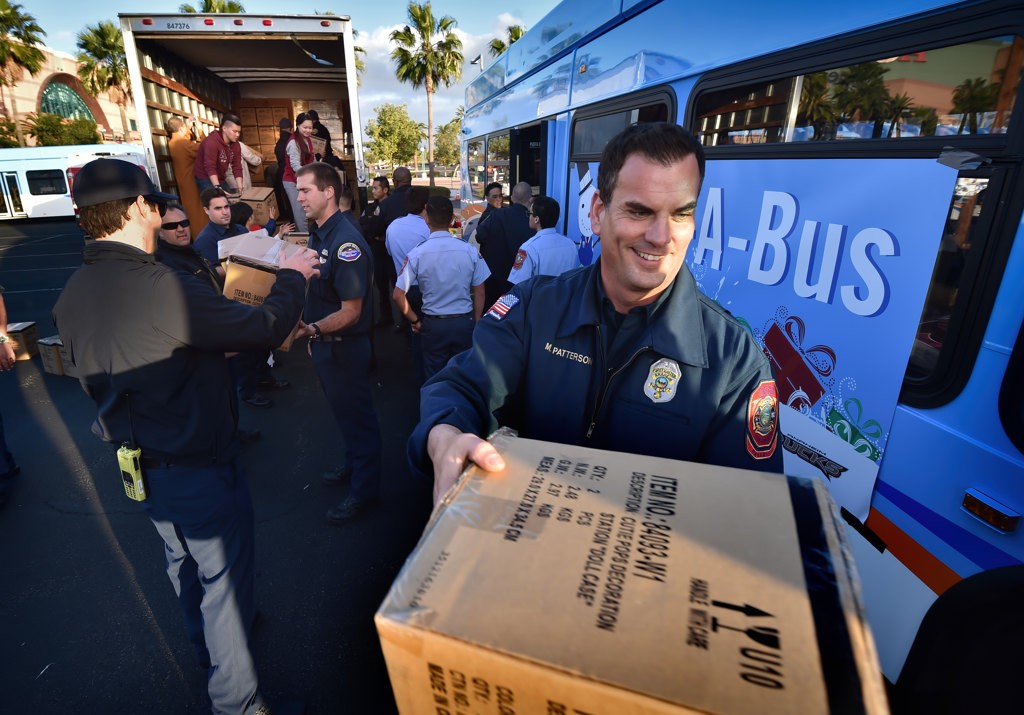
149	344
103	180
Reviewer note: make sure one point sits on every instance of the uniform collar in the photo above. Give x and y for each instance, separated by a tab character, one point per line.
439	234
681	336
331	220
108	249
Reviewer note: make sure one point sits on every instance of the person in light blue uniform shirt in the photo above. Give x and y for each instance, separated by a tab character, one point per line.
409	231
450	274
548	253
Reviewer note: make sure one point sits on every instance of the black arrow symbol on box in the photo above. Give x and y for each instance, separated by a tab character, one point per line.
746	609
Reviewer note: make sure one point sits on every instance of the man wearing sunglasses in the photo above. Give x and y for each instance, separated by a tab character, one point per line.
149	344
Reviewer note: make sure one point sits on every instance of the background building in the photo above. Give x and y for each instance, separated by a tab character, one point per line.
56	89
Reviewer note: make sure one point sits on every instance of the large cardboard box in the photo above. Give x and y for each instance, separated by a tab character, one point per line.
583	581
49	353
251	268
23	337
262	200
319	145
299	238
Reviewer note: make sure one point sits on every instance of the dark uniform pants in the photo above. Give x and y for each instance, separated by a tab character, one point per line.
443	338
343	368
205	517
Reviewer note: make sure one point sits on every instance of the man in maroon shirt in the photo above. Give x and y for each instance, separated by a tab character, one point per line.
218	153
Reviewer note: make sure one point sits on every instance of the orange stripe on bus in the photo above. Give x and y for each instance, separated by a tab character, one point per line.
935	574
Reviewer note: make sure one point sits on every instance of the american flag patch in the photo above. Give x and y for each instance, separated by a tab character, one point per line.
504	304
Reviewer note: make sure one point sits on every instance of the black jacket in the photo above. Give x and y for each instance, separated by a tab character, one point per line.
390	208
150	342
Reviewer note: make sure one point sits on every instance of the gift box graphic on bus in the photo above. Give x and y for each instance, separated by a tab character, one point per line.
798	372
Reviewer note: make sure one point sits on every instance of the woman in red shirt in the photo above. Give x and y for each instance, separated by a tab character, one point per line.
299	152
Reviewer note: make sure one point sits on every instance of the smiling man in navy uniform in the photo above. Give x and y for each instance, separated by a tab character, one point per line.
338	320
626	354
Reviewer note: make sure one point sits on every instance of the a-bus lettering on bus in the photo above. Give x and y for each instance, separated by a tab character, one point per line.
777	223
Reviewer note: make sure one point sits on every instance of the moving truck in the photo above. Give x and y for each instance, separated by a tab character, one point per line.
262	68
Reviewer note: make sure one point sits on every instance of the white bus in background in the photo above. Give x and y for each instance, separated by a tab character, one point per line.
35	182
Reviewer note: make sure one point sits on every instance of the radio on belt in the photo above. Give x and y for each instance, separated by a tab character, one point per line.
585	581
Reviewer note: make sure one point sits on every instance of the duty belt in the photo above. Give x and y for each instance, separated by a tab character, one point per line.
446	317
339	338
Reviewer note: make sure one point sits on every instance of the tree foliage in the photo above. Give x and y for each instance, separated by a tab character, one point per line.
103	66
512	34
446	142
8	134
394	136
19	36
973	97
214	6
427	53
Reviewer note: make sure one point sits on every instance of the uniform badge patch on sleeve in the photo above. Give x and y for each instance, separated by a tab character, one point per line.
501	307
349	252
763	420
520	259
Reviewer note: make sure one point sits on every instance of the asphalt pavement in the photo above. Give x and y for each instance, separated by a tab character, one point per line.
89	622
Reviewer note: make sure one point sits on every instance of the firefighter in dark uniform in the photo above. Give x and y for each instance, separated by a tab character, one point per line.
338	321
150	352
625	354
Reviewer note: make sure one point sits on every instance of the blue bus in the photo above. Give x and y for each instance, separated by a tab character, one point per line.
861	214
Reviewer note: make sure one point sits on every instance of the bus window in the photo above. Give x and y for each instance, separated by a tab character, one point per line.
497	161
590	134
965	89
959	237
476	167
46	182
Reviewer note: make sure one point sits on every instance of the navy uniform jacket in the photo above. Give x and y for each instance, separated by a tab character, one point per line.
212	234
505	230
346	273
694	386
140	329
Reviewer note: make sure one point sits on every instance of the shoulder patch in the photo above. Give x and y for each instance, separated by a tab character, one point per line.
520	259
501	306
763	420
349	252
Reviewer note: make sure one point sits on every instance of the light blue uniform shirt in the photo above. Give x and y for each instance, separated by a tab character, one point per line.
548	253
446	268
403	235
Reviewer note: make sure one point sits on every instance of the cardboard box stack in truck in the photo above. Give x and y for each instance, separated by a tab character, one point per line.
262	68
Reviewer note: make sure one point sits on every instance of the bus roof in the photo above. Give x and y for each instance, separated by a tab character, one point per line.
694	36
68	150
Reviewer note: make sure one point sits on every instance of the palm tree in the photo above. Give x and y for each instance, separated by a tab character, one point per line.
423	61
816	108
972	97
19	35
360	54
899	105
860	95
102	65
213	6
513	33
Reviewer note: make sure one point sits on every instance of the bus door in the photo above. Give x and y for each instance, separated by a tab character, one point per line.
10	196
528	156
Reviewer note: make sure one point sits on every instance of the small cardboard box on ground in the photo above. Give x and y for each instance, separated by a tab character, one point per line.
251	268
49	353
583	581
261	198
23	337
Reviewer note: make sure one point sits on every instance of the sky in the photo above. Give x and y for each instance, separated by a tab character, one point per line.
478	23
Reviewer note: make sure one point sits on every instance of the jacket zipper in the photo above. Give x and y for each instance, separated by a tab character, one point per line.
611	376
